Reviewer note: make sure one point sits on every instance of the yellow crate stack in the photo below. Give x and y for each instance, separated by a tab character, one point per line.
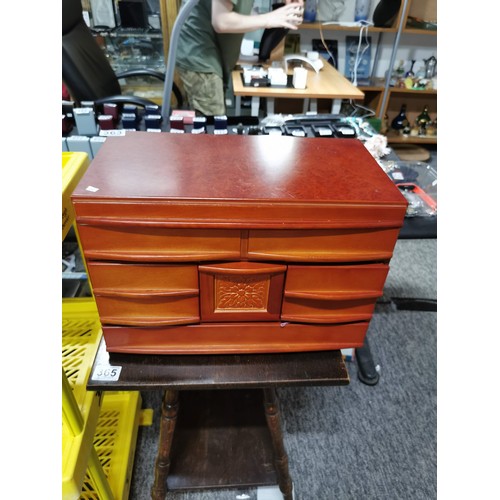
99	432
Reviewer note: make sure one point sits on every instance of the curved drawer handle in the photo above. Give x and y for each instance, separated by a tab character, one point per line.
326	319
340	256
111	292
165	256
334	295
243	268
145	321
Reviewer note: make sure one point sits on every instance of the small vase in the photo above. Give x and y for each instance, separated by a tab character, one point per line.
362	10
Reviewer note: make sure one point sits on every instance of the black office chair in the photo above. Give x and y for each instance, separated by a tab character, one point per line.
86	71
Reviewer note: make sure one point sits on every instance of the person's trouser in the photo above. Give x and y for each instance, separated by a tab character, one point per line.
205	92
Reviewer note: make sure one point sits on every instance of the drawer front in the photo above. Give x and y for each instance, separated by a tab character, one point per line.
332	245
332	294
228	338
156	244
142	294
241	291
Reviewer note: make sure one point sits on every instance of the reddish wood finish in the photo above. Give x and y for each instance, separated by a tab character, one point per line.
219	244
145	294
332	294
256	337
272	410
169	412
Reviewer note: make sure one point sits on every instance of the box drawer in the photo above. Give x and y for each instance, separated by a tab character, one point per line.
142	294
158	244
332	245
234	338
332	294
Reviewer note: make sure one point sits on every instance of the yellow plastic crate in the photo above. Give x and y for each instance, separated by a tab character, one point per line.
74	165
81	333
99	434
109	424
115	441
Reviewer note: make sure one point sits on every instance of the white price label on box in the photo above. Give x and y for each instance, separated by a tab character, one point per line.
106	373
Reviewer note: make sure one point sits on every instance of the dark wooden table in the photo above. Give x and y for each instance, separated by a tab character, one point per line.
222	438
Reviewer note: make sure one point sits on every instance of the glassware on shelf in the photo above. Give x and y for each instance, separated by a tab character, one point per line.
362	10
430	67
410	73
310	10
422	121
399	122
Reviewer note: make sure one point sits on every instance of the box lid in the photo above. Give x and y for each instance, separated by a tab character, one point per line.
239	180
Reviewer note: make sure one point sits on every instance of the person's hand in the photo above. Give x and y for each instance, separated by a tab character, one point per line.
289	16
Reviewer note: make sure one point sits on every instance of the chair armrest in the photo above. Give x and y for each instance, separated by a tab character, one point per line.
156	74
125	99
141	72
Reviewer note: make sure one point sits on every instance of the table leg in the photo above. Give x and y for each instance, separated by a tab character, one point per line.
255	106
305	105
336	103
271	407
270	105
169	411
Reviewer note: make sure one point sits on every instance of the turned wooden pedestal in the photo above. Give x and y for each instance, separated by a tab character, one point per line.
220	422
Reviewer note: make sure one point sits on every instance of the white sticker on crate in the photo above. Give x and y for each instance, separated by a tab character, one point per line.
106	373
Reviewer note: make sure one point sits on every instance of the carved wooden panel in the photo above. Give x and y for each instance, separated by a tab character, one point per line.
241	291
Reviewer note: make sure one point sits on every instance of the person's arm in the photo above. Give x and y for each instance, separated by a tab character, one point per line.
224	20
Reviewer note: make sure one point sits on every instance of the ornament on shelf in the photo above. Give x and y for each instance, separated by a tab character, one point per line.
410	72
422	121
398	122
362	10
430	67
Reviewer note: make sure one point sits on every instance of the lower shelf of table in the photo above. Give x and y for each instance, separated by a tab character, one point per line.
221	440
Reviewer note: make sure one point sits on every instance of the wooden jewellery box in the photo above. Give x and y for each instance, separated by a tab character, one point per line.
235	244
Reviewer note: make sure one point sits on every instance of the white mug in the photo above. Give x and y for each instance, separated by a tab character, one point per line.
299	78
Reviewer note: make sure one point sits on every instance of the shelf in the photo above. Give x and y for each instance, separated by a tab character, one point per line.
413	91
227	416
418	31
129	33
337	27
400	139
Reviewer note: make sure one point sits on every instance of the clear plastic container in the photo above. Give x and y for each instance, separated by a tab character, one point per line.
418	184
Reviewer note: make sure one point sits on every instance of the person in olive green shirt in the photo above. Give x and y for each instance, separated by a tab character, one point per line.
209	46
